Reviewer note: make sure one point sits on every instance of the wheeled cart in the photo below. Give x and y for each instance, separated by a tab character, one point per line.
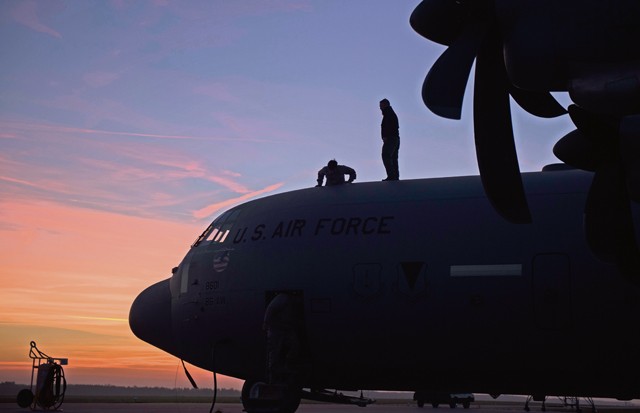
50	384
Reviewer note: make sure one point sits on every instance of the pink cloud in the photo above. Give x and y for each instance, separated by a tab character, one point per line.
25	126
229	184
231	173
142	182
213	208
20	182
138	178
180	167
25	13
45	180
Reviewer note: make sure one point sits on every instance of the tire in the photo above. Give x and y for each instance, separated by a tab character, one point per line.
289	404
25	398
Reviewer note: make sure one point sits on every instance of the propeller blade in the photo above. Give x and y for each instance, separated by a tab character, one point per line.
443	88
577	150
495	146
596	127
608	221
541	104
438	20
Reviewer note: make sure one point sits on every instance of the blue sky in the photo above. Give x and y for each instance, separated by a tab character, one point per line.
127	126
169	108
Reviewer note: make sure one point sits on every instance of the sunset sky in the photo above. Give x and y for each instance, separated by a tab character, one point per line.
127	126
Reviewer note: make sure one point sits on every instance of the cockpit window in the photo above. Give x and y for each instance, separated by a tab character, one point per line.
220	228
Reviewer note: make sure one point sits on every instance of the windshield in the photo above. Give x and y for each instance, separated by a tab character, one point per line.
219	229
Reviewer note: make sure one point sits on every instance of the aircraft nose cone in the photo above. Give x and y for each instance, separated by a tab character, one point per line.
150	316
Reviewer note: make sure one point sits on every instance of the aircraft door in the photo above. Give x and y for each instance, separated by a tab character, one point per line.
552	291
199	286
188	297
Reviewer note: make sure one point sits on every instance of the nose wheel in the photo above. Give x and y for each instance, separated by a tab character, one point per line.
260	397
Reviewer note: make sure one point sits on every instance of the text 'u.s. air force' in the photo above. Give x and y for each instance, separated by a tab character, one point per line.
353	226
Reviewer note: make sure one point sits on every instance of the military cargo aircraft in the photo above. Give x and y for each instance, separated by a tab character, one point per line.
406	285
421	284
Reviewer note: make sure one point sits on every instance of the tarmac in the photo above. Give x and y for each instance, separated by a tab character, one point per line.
304	408
407	406
231	408
237	408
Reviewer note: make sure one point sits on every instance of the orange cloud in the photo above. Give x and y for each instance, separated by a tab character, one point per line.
69	277
96	358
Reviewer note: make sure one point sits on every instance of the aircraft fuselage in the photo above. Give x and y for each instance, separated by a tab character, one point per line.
407	285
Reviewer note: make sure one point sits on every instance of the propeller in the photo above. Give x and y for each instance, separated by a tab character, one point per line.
471	30
601	144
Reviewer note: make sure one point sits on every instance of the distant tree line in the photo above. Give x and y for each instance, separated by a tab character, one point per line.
10	388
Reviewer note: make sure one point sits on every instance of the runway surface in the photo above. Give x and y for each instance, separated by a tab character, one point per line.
304	408
231	408
237	408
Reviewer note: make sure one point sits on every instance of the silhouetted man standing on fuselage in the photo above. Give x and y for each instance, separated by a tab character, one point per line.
390	131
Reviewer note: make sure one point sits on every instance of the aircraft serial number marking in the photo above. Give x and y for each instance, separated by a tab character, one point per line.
324	226
212	285
216	300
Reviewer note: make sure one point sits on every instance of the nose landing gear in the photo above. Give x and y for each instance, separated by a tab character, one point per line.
283	325
260	397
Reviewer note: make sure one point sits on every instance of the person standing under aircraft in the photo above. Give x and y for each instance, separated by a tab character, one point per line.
282	322
335	174
391	140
